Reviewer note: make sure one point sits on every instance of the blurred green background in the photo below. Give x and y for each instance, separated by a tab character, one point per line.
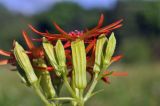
138	41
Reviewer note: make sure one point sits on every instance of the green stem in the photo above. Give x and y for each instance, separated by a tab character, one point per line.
69	87
94	83
38	91
81	97
63	98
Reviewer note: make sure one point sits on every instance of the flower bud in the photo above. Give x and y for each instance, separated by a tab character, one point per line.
24	63
99	52
60	53
79	63
51	55
45	78
109	49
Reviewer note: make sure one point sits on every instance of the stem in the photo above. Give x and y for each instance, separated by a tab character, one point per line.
81	93
64	98
37	90
94	83
69	87
81	97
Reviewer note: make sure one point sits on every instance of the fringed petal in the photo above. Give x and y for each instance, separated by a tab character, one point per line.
100	22
64	34
5	53
28	40
112	26
67	44
90	46
35	30
116	58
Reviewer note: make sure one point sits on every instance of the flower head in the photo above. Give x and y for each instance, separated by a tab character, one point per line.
83	35
88	36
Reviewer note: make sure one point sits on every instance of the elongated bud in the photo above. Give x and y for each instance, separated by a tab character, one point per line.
45	79
109	49
51	54
60	53
79	63
24	63
98	53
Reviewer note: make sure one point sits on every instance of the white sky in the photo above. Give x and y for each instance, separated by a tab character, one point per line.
29	7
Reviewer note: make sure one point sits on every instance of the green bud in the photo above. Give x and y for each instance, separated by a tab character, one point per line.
98	53
24	63
60	53
79	63
51	55
109	49
45	78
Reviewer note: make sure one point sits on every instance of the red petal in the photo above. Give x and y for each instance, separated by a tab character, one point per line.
116	73
68	44
111	26
43	68
4	62
88	33
120	74
64	34
90	46
49	35
67	51
28	40
106	80
116	58
50	68
36	31
5	53
100	21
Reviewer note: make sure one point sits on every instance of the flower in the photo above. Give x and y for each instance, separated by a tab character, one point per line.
85	35
88	36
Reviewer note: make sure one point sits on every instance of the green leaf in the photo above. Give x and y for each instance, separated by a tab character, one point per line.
99	52
79	63
24	63
109	49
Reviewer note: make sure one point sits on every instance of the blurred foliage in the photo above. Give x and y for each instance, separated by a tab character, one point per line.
136	50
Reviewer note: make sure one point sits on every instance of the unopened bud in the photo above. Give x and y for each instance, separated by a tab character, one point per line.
99	52
60	53
45	78
24	63
79	63
51	55
109	49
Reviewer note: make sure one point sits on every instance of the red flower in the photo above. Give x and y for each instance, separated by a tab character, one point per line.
89	37
85	35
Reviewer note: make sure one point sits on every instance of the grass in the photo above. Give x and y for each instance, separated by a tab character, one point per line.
140	88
